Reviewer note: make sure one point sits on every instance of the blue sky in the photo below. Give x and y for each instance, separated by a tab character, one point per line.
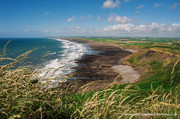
40	18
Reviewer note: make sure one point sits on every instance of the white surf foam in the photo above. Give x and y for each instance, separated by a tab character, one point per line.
72	51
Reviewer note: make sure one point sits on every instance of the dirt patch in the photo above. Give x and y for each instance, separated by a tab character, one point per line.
128	74
131	50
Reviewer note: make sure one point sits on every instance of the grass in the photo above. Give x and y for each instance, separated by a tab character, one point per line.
22	96
167	44
123	103
158	67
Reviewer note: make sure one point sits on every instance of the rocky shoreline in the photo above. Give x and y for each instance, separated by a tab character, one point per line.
96	71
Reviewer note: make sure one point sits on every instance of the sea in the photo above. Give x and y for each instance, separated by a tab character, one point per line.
53	56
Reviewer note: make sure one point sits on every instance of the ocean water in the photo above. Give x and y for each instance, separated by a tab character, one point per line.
62	54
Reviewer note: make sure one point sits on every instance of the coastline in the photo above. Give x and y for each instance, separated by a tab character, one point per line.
99	70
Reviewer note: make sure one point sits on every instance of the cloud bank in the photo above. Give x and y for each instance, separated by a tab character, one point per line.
152	29
142	30
71	19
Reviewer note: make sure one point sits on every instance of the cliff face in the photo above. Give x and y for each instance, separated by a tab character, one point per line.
155	65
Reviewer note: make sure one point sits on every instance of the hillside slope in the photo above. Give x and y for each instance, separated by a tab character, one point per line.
155	66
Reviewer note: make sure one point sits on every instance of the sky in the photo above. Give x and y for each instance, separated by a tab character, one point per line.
132	18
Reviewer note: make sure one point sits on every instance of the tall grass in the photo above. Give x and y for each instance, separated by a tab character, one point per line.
23	96
129	103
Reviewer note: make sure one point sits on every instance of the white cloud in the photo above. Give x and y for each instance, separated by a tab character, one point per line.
175	5
140	7
111	17
119	19
139	30
122	20
111	4
157	5
120	27
152	29
99	18
79	30
71	19
175	27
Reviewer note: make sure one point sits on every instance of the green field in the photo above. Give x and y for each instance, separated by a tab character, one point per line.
168	44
